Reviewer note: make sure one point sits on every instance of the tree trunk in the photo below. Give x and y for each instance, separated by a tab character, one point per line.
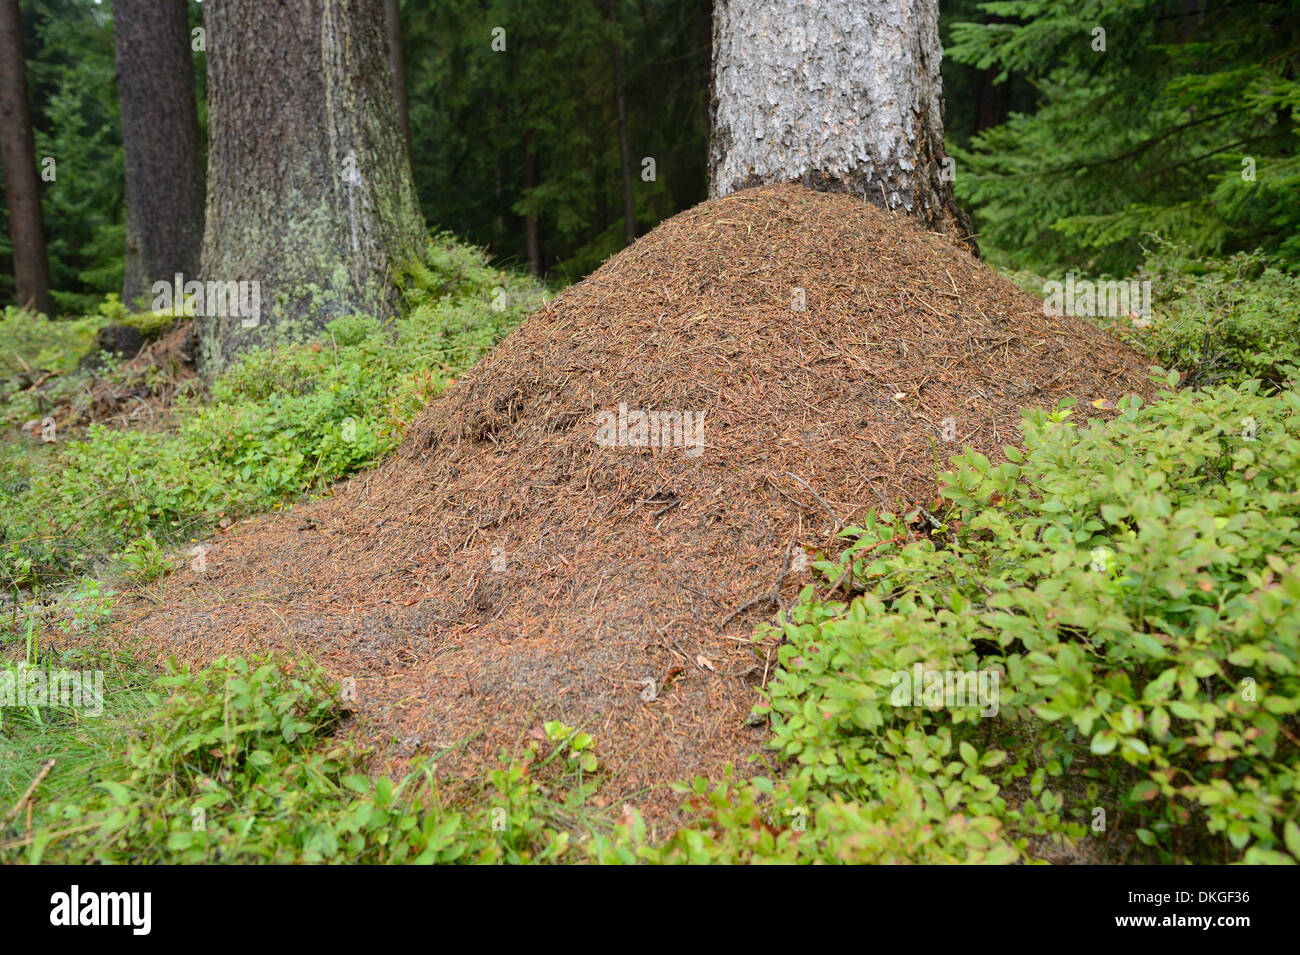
310	191
842	95
397	65
18	157
501	197
624	149
704	19
532	230
994	101
160	144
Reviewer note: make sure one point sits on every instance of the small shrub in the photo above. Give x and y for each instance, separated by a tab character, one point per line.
142	560
1220	321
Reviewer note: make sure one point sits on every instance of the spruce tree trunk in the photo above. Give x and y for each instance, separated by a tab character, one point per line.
18	157
309	188
842	95
160	144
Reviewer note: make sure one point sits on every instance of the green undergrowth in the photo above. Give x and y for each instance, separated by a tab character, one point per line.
1224	321
49	364
277	425
242	762
1218	321
34	344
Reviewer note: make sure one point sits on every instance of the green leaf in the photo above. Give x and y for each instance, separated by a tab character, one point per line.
1104	742
968	754
1144	791
1291	835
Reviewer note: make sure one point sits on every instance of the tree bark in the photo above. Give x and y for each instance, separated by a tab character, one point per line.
18	157
310	191
841	95
624	149
397	65
160	144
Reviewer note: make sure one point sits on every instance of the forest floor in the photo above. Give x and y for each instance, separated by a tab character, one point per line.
508	566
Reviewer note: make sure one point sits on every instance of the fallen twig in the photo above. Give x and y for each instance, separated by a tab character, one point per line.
45	769
839	523
771	596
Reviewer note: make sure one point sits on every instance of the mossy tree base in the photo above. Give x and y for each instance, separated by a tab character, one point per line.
310	190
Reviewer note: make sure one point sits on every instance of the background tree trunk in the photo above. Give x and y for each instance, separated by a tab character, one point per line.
160	143
310	188
843	95
397	65
620	104
532	229
501	197
993	103
18	156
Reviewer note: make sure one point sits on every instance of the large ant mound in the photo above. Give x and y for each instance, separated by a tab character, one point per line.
587	509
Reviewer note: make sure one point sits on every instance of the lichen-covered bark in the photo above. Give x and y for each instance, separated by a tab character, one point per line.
309	187
842	95
160	143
